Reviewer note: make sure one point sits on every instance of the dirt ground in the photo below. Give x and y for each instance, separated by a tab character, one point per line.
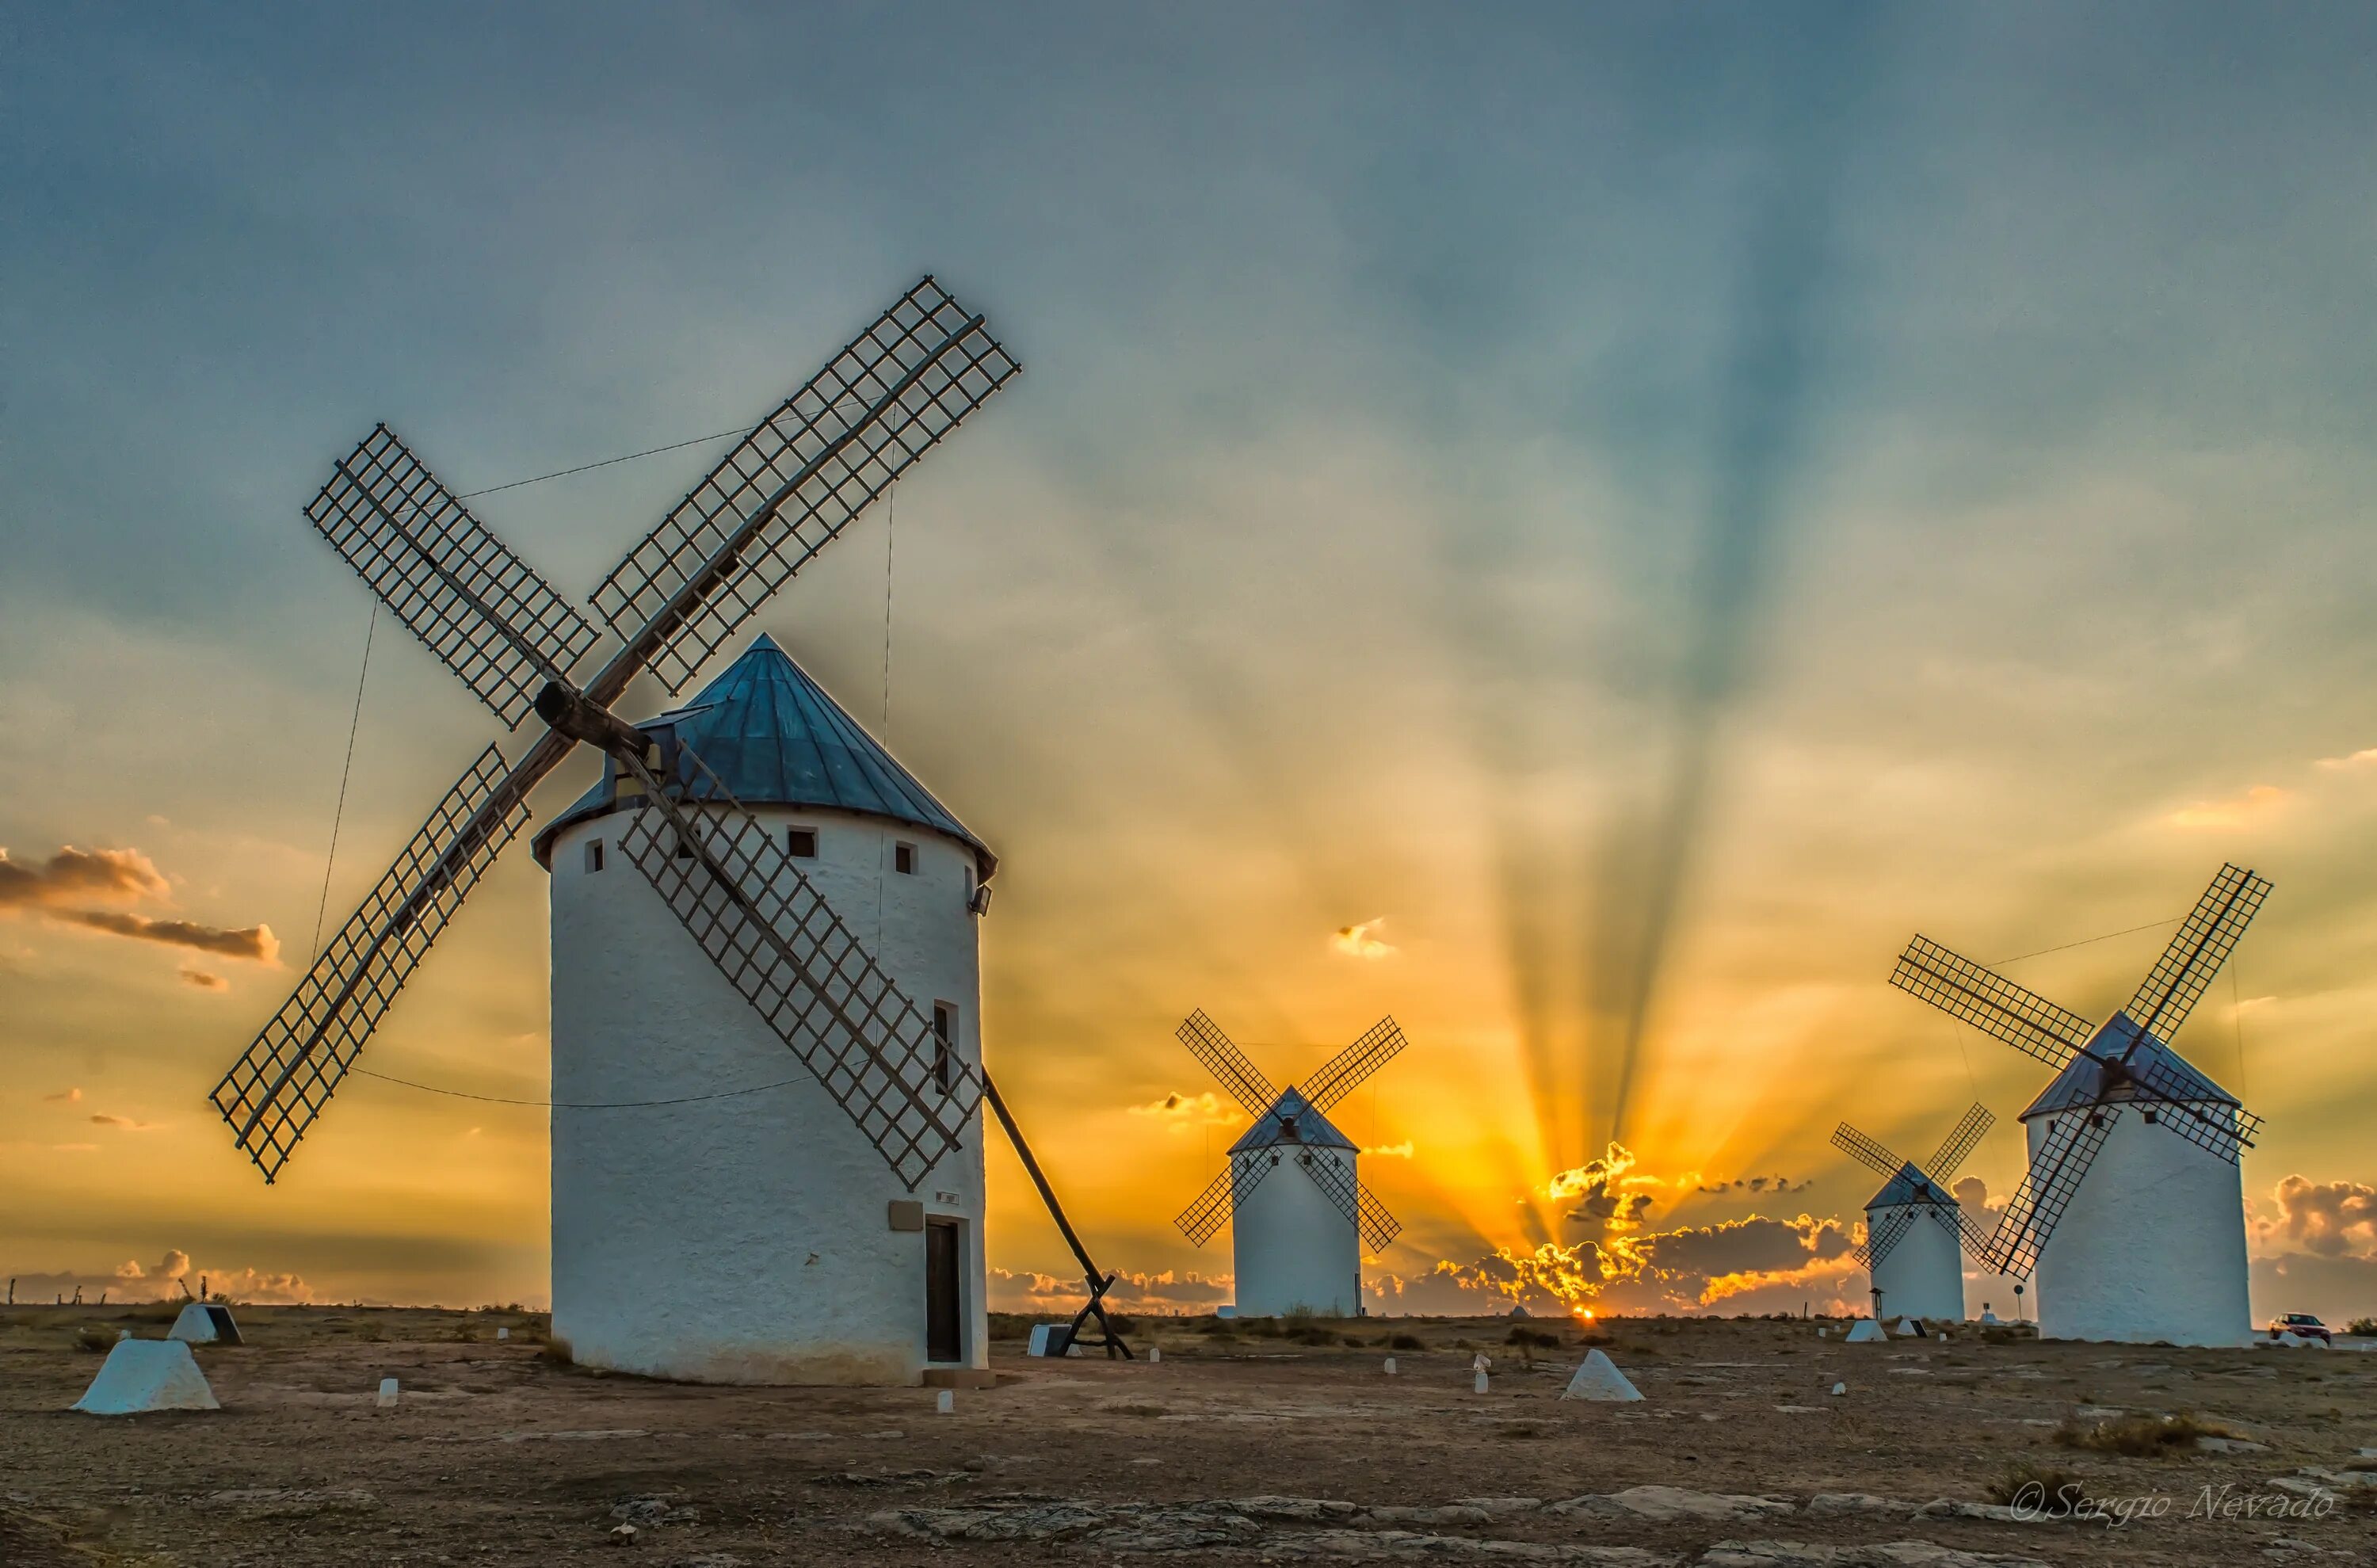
1243	1447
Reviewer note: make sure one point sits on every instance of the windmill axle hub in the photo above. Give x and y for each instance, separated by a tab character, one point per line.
573	713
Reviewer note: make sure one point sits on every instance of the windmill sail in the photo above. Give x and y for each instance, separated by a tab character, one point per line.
798	480
777	942
1990	1002
790	488
272	1093
484	611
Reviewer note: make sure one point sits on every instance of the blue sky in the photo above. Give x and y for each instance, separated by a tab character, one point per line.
1656	502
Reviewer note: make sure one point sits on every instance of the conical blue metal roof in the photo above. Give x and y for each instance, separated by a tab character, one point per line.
774	738
2083	1081
1293	1119
1909	1186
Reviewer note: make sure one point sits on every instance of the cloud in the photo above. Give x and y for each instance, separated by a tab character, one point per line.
70	873
164	1281
2256	803
205	981
2357	759
1674	1271
1358	941
255	942
122	1123
1594	1187
1033	1292
70	1097
1208	1109
1768	1185
1402	1151
123	875
2328	1219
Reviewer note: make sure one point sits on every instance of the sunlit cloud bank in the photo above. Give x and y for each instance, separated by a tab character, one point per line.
170	1278
1749	1265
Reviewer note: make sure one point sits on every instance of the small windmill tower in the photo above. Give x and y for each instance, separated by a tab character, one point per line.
2134	1225
1298	1244
767	1152
1915	1232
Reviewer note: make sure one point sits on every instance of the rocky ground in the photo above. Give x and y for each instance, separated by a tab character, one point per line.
1239	1447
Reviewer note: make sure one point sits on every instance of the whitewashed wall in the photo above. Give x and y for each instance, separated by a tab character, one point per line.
1293	1246
2151	1247
1923	1275
744	1240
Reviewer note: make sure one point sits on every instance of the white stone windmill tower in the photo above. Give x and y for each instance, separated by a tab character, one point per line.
707	1224
2135	1227
1298	1244
1915	1232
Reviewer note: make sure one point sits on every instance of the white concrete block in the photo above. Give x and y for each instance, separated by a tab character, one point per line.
387	1394
140	1375
944	1402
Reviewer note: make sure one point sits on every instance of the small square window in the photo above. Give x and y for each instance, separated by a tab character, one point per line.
801	842
683	847
903	859
945	1045
593	856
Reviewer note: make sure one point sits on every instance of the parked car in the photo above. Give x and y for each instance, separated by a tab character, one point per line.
2302	1325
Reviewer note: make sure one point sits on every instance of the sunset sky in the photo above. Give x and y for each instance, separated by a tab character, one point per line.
1583	531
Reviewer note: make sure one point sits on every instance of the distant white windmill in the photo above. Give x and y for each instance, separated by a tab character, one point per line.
1918	1267
1298	1244
2135	1229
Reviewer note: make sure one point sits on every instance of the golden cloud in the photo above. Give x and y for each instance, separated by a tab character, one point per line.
121	874
57	886
2329	1218
1182	1110
255	942
1360	942
205	981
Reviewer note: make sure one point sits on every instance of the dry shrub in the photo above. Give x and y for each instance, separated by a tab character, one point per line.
98	1341
2032	1482
1405	1342
2140	1437
556	1352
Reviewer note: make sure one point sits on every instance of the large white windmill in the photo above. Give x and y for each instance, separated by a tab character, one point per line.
706	1225
2134	1228
1918	1268
1298	1244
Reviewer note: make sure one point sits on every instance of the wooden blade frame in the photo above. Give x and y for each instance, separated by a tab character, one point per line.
799	479
1866	1151
1885	1235
782	948
2047	1191
1228	1064
1222	1196
493	621
1958	1145
277	1088
2202	943
1353	1200
1990	1002
1349	1066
